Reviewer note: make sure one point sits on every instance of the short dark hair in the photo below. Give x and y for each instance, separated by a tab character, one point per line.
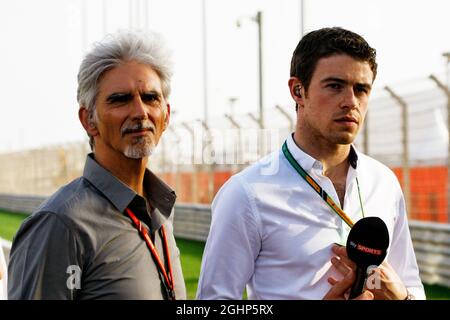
326	42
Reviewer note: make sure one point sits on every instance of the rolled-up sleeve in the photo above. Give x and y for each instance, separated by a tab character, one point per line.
233	244
44	256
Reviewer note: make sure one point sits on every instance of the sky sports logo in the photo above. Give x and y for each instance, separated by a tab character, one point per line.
365	249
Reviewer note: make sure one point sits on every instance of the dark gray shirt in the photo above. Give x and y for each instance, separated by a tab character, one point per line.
79	244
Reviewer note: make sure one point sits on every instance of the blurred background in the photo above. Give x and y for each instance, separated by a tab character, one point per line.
230	102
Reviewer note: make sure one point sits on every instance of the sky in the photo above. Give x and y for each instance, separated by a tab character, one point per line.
43	43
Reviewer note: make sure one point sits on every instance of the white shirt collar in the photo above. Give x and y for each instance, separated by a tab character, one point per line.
304	159
307	162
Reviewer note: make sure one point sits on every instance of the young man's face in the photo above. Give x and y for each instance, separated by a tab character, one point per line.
131	111
335	104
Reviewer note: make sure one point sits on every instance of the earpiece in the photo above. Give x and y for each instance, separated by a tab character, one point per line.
297	91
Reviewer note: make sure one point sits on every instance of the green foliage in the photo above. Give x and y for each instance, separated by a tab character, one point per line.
10	223
191	258
436	292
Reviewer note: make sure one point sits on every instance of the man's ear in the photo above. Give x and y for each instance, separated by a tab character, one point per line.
297	90
167	118
87	122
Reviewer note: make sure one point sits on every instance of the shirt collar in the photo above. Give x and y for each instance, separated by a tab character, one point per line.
307	162
160	195
112	188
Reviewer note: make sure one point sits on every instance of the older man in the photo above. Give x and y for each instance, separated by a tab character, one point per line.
108	234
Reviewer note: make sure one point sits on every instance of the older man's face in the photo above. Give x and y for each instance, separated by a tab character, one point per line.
131	111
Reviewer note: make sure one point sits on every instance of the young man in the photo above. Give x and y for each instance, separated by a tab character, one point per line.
108	234
272	232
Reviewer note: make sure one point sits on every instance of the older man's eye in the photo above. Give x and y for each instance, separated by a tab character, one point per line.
118	98
150	97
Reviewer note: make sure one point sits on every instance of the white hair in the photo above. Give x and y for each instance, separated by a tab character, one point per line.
148	48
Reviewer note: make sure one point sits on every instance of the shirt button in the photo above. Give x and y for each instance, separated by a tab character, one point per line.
317	165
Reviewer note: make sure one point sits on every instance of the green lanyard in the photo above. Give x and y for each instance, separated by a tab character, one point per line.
322	193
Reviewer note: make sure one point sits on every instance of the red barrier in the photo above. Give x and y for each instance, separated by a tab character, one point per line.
428	190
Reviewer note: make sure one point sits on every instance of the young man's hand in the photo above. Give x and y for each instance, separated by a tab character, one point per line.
340	288
390	286
382	281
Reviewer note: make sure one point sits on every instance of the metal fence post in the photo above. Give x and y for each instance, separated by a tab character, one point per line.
163	156
177	173
446	91
366	134
239	142
211	167
405	143
260	134
287	116
194	168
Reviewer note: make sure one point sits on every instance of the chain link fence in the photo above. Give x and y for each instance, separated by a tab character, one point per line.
406	129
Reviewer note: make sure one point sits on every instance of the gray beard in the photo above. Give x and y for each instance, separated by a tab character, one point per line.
139	149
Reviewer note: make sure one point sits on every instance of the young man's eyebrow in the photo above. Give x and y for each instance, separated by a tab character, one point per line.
342	81
333	79
366	86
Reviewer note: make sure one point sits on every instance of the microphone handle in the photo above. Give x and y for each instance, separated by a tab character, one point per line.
358	285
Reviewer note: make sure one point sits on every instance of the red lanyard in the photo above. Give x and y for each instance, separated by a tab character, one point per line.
168	278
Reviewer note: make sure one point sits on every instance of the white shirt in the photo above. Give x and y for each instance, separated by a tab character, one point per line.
4	272
273	233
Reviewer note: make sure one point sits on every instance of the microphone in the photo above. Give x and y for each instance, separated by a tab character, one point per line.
367	245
